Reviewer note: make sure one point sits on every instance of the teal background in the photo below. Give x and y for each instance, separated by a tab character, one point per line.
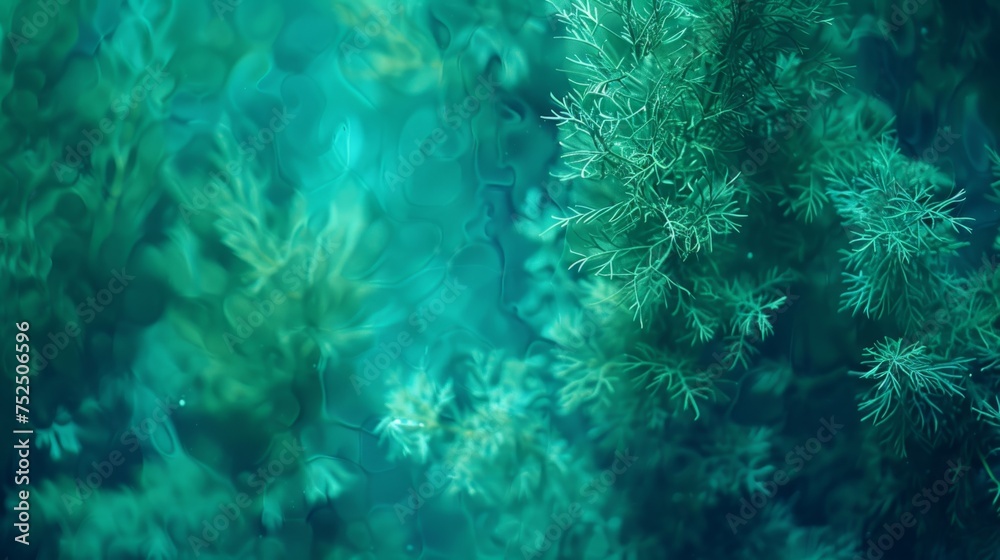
364	298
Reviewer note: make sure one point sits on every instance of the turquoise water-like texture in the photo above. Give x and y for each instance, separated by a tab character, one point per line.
495	279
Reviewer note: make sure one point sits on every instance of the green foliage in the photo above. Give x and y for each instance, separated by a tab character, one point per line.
414	415
989	412
648	144
841	129
480	424
680	379
665	101
782	537
680	229
750	305
995	197
674	230
912	391
664	96
965	320
898	213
